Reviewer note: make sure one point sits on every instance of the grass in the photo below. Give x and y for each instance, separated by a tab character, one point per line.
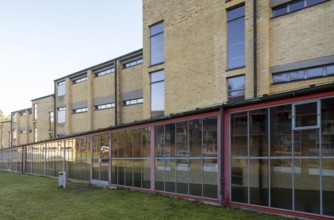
30	197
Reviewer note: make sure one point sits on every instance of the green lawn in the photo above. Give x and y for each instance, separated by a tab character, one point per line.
29	197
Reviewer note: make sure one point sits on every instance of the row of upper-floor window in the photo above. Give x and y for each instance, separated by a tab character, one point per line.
302	74
293	6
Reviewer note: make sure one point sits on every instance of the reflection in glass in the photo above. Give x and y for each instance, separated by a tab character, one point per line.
259	182
281	183
169	157
239	143
236	88
210	160
306	115
239	180
258	133
280	131
157	43
307	186
306	142
327	127
236	37
328	186
157	93
146	148
182	157
159	133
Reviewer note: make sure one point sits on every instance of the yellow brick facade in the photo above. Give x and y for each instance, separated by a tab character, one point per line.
42	128
195	64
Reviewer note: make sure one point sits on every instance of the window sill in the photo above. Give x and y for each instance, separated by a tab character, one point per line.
156	64
236	68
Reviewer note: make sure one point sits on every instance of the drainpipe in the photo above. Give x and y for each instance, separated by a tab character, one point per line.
255	48
222	155
116	100
55	113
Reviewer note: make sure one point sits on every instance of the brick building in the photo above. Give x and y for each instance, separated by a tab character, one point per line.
230	103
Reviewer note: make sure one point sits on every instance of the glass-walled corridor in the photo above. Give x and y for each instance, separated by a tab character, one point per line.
283	157
178	157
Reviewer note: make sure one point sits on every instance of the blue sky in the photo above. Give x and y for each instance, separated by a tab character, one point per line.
42	40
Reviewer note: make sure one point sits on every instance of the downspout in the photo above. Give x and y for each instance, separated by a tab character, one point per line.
116	99
255	48
222	155
55	113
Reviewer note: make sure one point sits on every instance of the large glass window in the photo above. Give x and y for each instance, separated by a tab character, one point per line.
157	93
236	38
157	43
283	156
186	157
236	88
61	88
35	111
51	121
61	115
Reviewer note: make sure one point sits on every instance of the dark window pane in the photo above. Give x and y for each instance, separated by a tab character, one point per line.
157	49
297	75
157	28
314	72
296	5
236	43
306	115
330	70
313	2
307	185
281	77
258	133
239	176
306	142
157	76
259	182
327	127
328	186
280	130
239	143
236	87
157	43
236	13
281	183
280	11
157	94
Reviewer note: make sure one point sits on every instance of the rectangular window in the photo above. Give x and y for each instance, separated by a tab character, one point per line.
23	113
236	38
61	115
236	88
133	63
294	6
157	93
157	43
306	115
14	133
105	72
61	88
82	79
35	111
308	73
14	118
133	101
105	106
35	133
51	121
80	110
